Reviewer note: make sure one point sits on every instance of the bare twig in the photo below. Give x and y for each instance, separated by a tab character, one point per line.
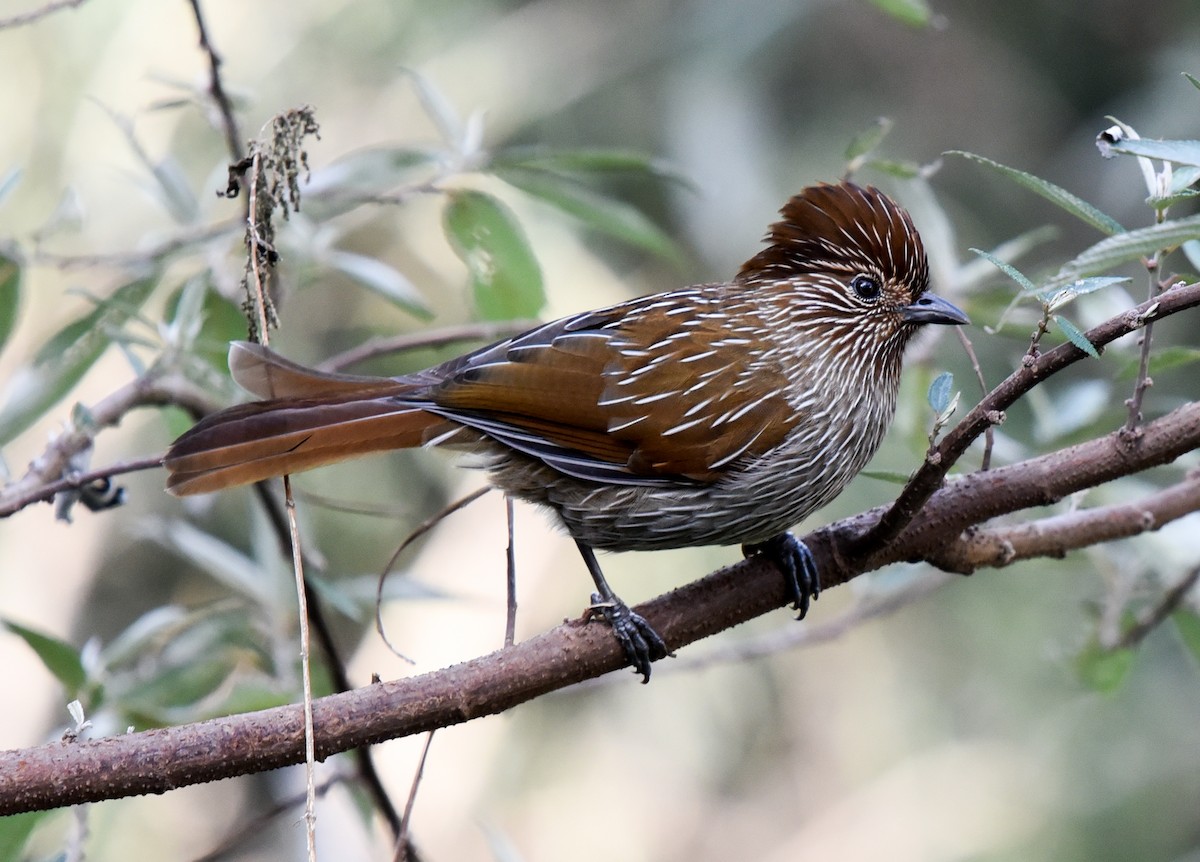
483	331
310	751
216	89
989	435
35	15
49	473
1156	615
1143	374
421	529
510	559
403	847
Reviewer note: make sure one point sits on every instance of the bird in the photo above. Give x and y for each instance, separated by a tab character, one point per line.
717	414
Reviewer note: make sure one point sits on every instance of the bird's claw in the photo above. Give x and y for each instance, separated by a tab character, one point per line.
640	642
791	556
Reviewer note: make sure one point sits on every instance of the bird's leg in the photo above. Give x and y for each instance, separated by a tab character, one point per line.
642	644
792	557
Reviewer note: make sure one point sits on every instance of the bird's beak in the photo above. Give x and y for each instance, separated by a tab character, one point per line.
931	308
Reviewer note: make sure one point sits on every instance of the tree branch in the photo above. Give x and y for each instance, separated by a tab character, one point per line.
158	760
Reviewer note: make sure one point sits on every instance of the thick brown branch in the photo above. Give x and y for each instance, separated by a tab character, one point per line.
159	760
993	547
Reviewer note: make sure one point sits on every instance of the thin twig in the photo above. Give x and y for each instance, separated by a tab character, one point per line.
38	14
1158	614
235	841
216	89
989	436
1143	375
403	848
310	748
483	331
510	559
421	529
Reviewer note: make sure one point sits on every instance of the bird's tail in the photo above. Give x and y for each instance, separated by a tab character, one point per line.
310	419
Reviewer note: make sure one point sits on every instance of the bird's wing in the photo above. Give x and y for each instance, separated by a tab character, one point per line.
656	390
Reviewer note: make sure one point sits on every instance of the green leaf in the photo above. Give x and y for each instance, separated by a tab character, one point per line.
1125	247
939	392
15	830
1058	196
1056	299
1162	360
1187	626
59	657
892	168
210	328
1103	670
66	357
1008	269
915	13
587	161
868	140
1075	336
1180	152
10	296
505	277
378	277
600	213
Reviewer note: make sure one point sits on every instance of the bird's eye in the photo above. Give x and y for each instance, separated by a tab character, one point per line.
865	286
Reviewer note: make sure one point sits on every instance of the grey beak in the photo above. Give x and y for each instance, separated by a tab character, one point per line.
931	308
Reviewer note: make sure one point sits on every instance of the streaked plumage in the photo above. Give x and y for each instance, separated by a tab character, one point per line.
716	414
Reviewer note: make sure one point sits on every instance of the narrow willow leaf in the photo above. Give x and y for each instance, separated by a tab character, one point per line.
1163	360
10	296
1057	195
939	392
380	278
588	161
505	277
1055	300
897	169
1180	152
1008	269
66	357
1187	626
1075	336
915	13
1191	250
1104	670
600	213
59	657
1125	247
366	174
868	141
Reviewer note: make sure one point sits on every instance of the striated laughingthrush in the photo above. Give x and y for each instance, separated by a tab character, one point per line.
717	414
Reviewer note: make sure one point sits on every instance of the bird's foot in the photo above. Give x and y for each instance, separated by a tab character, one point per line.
641	643
792	557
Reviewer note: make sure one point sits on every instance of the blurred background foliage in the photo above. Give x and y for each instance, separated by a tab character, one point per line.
588	152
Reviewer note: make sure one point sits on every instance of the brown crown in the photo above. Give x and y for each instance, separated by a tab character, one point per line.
841	227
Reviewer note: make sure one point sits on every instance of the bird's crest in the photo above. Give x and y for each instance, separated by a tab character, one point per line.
843	227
